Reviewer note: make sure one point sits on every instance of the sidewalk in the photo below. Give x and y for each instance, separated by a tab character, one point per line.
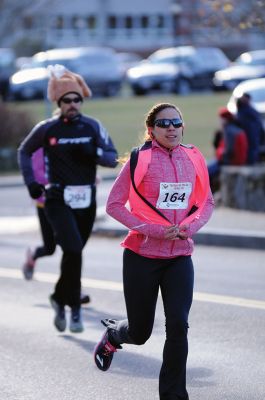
227	227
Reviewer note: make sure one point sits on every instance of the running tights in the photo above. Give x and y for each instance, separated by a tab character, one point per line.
142	278
72	228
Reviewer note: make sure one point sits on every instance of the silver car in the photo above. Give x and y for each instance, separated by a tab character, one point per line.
99	67
249	65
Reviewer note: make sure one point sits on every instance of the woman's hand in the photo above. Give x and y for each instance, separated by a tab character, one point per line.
175	232
171	232
183	231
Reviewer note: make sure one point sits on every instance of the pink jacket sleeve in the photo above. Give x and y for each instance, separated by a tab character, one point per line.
116	207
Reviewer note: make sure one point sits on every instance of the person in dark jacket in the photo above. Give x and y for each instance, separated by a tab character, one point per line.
48	246
73	144
250	121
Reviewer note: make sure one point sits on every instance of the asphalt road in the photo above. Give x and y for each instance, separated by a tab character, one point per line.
226	336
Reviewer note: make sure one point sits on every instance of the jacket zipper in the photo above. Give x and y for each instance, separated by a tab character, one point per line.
176	179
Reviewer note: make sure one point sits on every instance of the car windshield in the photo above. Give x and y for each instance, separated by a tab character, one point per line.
169	59
6	59
38	64
248	60
88	60
204	58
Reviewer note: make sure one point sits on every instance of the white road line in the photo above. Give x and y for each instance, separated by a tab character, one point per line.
16	225
117	286
29	223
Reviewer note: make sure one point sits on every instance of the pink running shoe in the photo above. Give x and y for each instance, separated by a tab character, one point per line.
104	350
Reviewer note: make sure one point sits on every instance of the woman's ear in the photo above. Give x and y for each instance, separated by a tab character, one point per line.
150	132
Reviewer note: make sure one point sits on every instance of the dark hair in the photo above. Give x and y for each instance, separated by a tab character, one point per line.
151	115
243	100
246	95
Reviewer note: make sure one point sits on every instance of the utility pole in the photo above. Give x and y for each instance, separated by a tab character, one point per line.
176	10
102	18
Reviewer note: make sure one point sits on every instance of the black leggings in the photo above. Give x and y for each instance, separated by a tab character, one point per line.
49	244
142	278
72	228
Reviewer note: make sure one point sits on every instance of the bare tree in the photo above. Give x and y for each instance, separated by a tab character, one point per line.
233	15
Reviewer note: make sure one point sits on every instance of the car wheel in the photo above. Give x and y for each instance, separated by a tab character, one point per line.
28	93
111	90
138	91
167	86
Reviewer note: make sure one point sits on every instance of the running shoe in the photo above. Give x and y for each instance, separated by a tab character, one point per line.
59	319
76	323
105	349
84	298
28	266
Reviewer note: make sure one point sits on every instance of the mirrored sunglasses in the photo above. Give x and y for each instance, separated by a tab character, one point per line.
166	122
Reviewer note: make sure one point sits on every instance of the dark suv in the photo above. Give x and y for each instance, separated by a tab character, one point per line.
177	69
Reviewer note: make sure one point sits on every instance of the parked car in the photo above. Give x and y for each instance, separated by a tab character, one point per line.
99	66
128	60
248	65
7	68
256	89
177	69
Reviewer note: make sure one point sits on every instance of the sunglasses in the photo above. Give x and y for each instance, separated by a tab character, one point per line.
166	122
67	100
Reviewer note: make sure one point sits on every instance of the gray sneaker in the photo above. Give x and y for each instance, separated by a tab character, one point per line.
28	266
76	323
59	319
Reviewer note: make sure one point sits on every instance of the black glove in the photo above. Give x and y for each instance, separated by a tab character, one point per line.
35	190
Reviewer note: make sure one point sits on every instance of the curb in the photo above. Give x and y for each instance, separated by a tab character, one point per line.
252	241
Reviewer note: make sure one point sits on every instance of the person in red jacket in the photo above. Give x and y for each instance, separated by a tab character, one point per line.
231	146
170	200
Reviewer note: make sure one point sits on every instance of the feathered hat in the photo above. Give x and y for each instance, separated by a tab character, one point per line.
63	81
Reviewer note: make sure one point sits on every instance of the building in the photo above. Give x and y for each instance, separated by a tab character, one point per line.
140	26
